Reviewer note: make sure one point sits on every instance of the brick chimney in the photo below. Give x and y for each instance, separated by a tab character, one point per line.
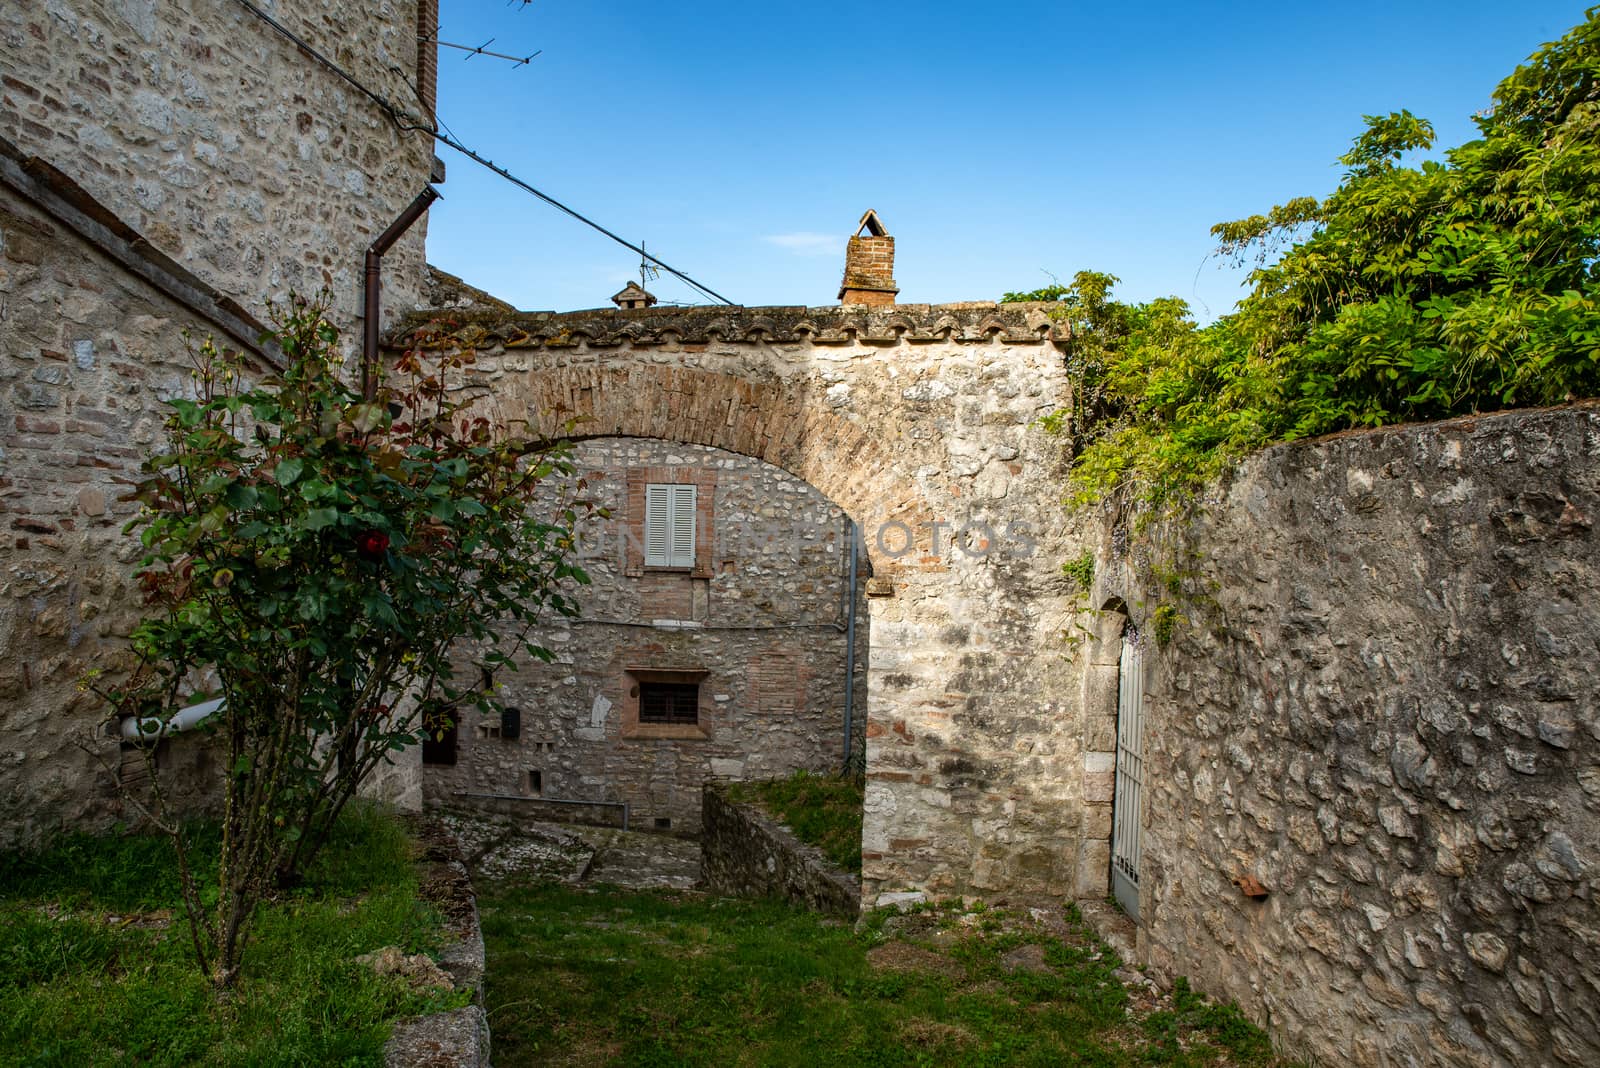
869	265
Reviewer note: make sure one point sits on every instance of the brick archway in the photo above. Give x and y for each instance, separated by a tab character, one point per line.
781	423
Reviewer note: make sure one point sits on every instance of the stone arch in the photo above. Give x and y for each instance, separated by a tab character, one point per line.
916	417
781	422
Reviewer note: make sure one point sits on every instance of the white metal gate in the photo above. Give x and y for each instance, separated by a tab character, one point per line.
1125	844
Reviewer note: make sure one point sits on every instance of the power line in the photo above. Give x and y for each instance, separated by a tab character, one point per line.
409	122
553	202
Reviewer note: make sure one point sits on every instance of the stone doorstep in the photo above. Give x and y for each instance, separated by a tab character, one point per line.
1115	928
458	1038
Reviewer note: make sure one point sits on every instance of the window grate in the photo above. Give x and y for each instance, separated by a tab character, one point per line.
669	702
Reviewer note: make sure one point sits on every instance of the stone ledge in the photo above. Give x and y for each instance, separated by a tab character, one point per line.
745	853
974	322
458	1038
68	203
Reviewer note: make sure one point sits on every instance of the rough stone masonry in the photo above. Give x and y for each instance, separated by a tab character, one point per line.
1383	707
165	167
758	624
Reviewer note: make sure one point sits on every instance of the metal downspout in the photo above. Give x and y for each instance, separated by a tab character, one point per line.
374	287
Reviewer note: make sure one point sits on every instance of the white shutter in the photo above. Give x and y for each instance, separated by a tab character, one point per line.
682	526
657	524
669	522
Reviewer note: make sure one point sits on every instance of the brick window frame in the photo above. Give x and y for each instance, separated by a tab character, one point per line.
705	483
631	727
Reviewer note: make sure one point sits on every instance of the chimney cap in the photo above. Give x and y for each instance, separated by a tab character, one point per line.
872	225
633	295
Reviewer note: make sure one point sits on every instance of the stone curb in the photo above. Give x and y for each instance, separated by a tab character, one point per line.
458	1038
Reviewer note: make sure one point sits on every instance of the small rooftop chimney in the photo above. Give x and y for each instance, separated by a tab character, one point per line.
633	296
869	265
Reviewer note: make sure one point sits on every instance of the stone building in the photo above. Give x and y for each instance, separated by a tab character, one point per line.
712	644
165	167
1339	765
1346	772
918	422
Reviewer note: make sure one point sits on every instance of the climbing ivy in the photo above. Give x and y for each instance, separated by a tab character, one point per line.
1449	286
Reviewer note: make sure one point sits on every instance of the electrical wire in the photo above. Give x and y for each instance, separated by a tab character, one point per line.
405	121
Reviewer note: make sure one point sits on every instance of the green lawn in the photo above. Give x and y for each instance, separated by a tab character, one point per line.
608	977
95	965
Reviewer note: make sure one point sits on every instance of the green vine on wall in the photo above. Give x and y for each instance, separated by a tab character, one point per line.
1414	291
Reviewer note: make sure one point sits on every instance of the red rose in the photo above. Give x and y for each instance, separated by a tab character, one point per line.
372	544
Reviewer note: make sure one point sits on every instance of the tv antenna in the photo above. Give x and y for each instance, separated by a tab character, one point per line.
648	271
481	50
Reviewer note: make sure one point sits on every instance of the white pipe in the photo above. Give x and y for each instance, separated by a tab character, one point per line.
151	728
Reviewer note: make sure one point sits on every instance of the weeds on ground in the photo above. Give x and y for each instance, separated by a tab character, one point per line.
605	977
96	967
821	810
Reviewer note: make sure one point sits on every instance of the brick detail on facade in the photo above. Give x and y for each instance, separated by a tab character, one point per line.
427	55
628	700
705	531
778	682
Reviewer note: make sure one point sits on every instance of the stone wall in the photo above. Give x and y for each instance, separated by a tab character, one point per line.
88	353
746	854
165	167
1389	718
920	422
223	144
762	614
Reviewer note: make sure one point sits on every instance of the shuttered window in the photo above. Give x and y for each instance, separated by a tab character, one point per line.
669	525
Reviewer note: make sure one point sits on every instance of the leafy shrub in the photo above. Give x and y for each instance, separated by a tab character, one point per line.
1461	285
316	556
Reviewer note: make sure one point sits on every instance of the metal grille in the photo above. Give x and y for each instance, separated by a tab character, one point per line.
669	702
1125	842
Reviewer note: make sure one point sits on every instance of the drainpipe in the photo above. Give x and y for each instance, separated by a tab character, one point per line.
850	646
154	728
375	251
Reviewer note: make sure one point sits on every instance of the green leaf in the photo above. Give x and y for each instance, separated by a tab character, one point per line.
368	417
319	518
242	496
288	470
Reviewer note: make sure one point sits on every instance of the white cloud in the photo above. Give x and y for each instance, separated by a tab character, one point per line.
806	243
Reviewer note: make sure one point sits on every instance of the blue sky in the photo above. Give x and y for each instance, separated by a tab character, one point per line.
742	141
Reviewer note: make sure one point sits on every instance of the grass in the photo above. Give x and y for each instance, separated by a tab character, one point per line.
822	810
607	977
96	969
